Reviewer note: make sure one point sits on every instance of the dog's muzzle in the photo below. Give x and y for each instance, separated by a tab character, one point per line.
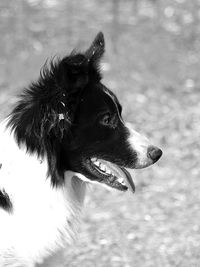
147	154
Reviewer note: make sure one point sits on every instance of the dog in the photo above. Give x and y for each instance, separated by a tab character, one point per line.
66	130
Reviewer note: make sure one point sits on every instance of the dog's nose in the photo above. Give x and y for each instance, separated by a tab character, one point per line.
154	153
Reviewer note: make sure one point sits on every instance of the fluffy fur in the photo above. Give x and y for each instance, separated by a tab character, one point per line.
65	130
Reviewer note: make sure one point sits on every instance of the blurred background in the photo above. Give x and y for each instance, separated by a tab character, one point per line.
152	63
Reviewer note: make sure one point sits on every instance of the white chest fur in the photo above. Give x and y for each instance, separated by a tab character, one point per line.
44	219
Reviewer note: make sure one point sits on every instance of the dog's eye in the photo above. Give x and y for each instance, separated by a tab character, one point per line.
106	119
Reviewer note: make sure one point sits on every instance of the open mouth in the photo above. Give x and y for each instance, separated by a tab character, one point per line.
111	174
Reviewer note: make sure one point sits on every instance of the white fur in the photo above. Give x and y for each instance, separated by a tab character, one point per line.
139	144
44	219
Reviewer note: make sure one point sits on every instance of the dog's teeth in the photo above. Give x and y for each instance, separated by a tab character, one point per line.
120	180
103	168
108	172
97	163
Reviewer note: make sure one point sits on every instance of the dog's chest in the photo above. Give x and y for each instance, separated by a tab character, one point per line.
37	227
41	223
44	218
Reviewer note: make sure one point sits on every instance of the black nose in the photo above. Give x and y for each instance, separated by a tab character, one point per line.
154	153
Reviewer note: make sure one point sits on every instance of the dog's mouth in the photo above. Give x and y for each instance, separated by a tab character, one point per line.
110	174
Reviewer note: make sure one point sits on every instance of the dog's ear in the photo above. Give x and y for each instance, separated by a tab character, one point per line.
72	78
96	51
73	72
97	48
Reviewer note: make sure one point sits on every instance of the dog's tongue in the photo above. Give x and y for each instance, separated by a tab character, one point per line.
128	180
121	172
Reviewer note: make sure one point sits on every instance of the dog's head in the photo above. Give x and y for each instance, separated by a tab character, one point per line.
78	123
101	145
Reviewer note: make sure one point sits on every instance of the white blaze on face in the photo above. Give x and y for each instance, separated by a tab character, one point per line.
139	144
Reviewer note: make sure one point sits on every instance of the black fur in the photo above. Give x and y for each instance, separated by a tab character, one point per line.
60	116
35	120
5	201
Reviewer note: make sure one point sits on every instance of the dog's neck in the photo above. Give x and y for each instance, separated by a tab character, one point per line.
76	188
74	193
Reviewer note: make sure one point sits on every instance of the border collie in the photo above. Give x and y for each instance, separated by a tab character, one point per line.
65	130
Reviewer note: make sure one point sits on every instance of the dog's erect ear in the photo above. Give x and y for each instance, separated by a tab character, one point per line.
73	71
96	50
72	78
76	69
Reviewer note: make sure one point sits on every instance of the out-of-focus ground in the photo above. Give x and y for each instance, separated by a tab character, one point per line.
152	63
